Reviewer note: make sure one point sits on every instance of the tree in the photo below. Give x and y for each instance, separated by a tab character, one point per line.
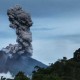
21	76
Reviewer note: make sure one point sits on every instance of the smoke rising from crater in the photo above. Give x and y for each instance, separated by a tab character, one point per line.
17	57
21	22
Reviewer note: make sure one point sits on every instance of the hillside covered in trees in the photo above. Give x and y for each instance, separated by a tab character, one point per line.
62	69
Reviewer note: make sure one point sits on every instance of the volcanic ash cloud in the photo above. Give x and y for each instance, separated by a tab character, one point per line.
17	57
21	22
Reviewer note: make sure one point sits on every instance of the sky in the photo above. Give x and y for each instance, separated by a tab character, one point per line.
55	30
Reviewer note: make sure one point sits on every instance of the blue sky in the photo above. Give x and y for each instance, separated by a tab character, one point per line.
56	28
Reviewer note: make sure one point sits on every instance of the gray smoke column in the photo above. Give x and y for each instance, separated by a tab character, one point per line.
21	22
17	57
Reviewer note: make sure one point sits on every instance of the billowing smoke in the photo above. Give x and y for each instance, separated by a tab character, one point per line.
17	57
21	22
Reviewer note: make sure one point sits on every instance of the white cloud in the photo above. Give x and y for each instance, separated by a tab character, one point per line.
6	75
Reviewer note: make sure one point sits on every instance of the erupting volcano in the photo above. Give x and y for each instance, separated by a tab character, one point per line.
17	57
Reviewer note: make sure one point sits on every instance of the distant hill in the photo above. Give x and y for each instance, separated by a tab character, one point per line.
18	63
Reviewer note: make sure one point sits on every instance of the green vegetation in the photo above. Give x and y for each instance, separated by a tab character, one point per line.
21	76
60	70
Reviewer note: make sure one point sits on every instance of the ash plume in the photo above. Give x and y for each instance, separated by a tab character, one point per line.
17	57
21	22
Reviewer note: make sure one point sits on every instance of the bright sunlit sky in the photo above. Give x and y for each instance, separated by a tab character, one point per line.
56	28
